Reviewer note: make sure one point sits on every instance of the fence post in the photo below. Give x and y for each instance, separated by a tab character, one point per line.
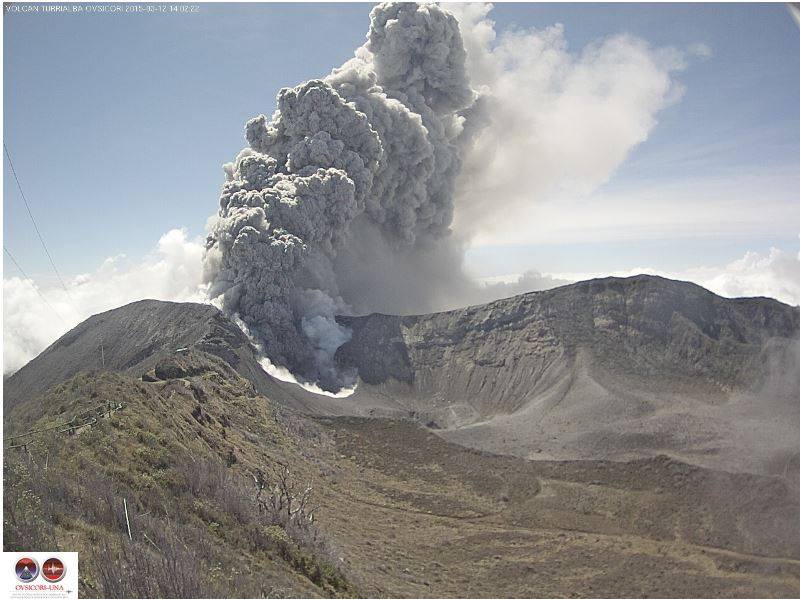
127	521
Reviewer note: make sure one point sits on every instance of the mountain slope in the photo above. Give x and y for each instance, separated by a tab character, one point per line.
135	337
641	326
620	368
611	368
165	483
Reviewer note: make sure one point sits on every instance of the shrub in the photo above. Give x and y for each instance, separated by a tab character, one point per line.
159	570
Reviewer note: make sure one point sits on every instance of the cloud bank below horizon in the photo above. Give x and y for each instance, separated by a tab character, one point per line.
173	272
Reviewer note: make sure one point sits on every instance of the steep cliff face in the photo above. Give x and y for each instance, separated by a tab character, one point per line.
502	353
478	360
611	367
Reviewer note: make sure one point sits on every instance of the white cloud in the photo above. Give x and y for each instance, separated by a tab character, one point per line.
775	274
561	121
701	50
729	204
497	287
173	271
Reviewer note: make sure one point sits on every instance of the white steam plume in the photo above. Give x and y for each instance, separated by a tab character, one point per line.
561	121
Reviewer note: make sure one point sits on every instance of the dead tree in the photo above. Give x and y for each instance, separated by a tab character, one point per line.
281	500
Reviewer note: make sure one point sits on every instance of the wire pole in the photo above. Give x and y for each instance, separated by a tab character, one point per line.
24	274
102	356
33	220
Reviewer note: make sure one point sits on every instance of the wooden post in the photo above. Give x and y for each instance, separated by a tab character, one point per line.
128	522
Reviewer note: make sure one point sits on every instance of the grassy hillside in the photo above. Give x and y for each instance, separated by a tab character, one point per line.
200	459
187	456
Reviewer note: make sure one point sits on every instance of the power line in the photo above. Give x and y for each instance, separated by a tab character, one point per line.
35	226
44	299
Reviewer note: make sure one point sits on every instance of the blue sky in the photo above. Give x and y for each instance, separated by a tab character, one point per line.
118	125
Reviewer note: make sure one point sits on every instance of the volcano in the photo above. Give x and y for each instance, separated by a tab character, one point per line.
611	424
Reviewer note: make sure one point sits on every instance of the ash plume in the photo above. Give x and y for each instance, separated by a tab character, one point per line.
351	171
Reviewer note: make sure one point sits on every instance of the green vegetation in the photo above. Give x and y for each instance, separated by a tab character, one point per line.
183	457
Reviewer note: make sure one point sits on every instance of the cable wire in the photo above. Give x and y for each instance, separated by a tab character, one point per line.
44	299
35	226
